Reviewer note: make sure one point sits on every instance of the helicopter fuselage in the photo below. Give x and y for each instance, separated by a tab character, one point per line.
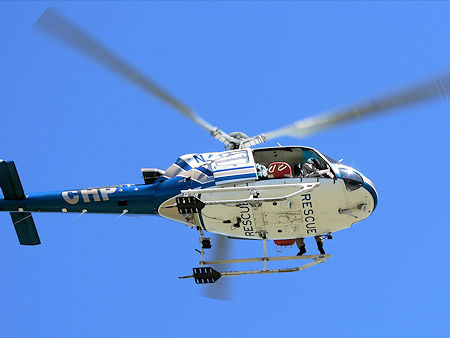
235	199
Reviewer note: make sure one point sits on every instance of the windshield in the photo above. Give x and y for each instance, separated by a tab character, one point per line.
351	179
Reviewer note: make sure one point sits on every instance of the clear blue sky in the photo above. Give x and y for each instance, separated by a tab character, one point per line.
252	67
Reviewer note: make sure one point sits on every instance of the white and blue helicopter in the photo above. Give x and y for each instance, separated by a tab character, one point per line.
283	193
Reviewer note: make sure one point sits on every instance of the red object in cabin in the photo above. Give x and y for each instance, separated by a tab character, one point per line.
279	170
284	242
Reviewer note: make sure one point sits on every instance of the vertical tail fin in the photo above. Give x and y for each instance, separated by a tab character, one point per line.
12	190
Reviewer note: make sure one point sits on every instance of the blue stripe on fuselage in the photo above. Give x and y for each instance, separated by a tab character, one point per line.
183	164
235	177
228	169
372	192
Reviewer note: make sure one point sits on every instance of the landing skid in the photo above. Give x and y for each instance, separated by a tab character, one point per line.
205	274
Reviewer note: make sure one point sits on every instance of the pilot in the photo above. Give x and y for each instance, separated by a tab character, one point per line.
298	168
301	245
311	168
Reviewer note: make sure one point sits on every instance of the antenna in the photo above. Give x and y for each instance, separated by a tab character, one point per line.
124	211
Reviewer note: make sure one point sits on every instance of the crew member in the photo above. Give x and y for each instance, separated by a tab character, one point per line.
319	242
311	168
261	171
301	245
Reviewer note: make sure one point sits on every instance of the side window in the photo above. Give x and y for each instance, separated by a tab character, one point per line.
232	159
234	166
303	161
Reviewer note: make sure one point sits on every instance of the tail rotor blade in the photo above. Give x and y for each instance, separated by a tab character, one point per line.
222	288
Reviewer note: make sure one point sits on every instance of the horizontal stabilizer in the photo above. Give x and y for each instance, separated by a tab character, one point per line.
12	190
25	228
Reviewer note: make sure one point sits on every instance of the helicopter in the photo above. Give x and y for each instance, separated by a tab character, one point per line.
282	193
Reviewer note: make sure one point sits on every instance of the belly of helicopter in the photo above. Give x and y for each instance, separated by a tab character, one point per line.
306	213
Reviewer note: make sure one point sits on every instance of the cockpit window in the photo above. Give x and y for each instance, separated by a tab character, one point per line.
351	179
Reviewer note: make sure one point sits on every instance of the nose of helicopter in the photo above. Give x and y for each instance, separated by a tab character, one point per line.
360	191
368	185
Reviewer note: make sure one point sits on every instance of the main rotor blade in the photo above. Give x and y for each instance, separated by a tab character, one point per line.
430	89
58	27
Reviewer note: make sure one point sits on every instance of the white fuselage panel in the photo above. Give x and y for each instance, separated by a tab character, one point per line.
308	213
